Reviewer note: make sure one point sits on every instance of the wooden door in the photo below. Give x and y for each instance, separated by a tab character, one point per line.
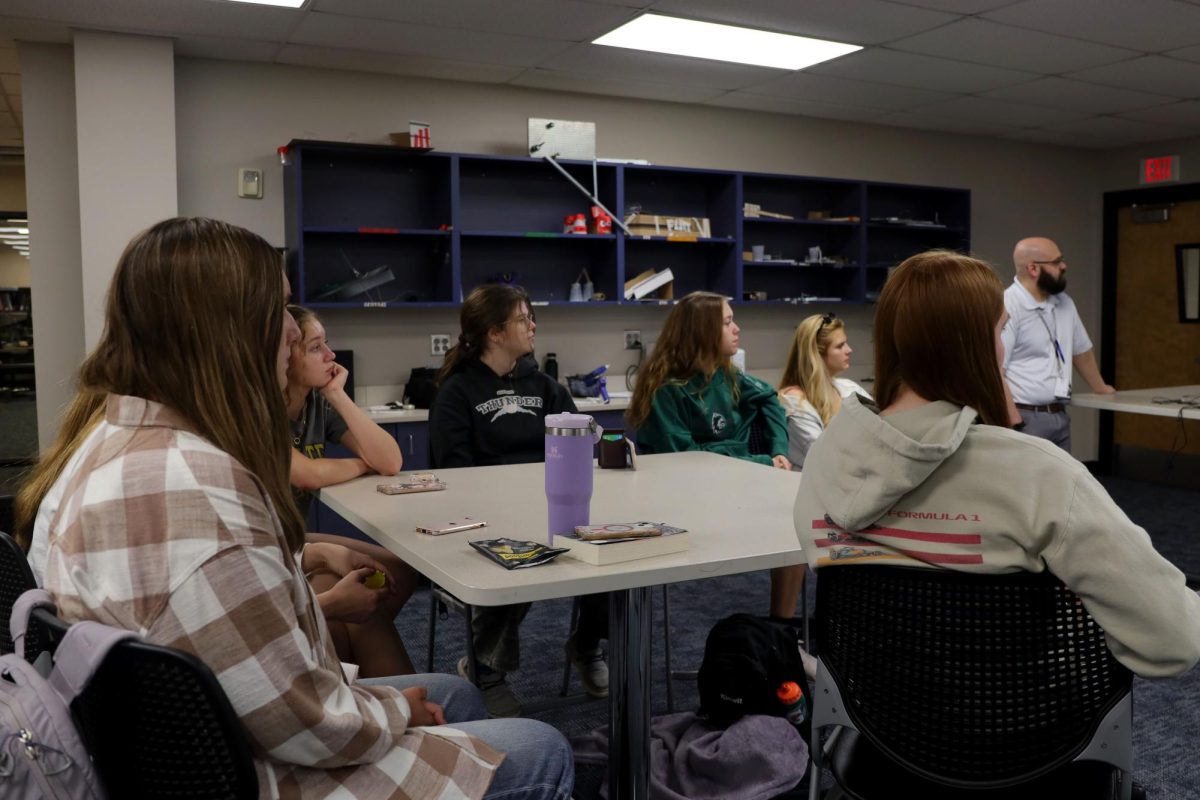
1152	347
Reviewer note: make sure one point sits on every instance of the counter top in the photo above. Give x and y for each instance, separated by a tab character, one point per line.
586	405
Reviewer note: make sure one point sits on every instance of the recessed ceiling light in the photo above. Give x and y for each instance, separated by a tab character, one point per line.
284	3
688	37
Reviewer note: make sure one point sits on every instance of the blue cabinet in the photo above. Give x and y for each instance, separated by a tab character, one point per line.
378	226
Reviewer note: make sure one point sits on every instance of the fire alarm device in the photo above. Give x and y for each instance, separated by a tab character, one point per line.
249	183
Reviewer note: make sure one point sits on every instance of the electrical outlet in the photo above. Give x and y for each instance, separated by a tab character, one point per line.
439	343
632	339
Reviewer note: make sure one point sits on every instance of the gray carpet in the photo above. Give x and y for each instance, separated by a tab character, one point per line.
1166	712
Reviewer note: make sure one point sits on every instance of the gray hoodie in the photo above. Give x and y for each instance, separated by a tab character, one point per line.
929	487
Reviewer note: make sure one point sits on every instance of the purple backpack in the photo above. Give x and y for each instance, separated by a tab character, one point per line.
41	753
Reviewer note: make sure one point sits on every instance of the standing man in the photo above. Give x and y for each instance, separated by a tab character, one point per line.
1043	329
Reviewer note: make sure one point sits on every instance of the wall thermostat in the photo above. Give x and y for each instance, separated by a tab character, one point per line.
249	183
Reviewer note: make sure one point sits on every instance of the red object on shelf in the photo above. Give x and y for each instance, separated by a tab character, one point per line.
601	221
285	157
575	223
378	230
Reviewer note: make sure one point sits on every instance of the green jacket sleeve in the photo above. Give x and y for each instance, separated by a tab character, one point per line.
758	398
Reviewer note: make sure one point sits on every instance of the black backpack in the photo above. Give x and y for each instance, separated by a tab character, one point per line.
421	388
746	658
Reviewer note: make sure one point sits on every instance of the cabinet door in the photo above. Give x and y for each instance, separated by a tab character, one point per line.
413	438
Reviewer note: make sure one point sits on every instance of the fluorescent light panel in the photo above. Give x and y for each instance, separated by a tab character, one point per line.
284	3
687	37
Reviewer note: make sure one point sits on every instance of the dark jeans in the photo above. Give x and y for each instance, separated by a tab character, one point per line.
497	636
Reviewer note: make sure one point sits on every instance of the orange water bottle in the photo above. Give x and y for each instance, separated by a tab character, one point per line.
791	697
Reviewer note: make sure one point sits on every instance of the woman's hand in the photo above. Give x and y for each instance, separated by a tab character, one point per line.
422	711
350	600
781	462
337	382
342	560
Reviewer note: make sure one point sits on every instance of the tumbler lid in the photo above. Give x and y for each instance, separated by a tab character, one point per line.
568	420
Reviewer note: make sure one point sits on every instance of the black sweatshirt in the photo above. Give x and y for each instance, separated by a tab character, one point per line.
480	418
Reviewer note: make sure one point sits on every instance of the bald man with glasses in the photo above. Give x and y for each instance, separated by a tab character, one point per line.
1043	340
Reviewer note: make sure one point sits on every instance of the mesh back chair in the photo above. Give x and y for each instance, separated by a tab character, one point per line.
15	578
158	724
954	685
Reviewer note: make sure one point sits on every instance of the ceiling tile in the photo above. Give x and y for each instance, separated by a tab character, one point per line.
853	21
998	112
14	102
568	20
225	49
10	131
619	63
197	17
939	123
1126	130
785	105
7	120
1065	139
827	89
921	72
1156	74
419	66
987	42
959	6
11	84
594	84
8	60
382	36
1149	25
1062	93
1185	113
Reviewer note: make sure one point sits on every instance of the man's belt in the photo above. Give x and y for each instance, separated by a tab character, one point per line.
1052	408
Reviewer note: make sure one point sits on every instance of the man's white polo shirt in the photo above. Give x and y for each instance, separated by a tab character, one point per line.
1039	373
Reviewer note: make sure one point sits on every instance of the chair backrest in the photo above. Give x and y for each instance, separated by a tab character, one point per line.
966	679
757	444
15	578
158	724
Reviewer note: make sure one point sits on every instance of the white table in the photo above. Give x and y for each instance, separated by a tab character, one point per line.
1142	401
739	516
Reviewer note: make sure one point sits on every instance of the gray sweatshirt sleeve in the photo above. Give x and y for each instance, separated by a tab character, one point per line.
1141	600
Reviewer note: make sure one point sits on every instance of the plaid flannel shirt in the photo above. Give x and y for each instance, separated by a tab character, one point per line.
162	533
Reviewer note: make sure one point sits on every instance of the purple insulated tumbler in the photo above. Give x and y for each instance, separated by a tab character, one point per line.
569	442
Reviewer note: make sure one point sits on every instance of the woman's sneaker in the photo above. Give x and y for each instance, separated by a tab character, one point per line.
592	668
497	696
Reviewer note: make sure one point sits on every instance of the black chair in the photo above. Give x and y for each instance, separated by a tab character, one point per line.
15	578
955	685
157	723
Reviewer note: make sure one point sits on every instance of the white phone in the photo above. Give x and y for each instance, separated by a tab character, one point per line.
453	526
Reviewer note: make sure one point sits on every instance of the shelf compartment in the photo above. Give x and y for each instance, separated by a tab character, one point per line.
674	192
780	282
697	266
373	188
420	268
545	267
520	196
799	196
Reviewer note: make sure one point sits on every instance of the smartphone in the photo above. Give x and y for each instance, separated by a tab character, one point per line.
453	526
410	486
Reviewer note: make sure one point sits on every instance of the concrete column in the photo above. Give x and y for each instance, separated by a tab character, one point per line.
125	118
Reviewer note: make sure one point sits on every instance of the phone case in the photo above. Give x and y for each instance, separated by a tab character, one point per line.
453	526
409	487
618	530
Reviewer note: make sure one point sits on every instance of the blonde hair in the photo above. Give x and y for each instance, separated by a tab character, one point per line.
806	365
689	345
193	321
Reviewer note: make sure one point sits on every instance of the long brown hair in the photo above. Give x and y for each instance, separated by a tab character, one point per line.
688	345
935	333
486	308
193	321
805	365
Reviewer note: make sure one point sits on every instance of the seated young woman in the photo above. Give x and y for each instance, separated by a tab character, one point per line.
689	396
361	621
879	482
811	390
490	409
169	513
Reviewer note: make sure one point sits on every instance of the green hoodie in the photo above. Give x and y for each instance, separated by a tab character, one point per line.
700	415
931	487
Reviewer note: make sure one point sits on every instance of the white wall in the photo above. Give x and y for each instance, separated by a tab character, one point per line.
234	115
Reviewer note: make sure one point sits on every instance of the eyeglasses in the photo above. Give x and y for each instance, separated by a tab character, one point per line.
1058	262
826	319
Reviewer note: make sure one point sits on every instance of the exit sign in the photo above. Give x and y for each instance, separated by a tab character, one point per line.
1164	169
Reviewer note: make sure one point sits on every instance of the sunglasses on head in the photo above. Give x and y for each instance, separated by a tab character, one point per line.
827	319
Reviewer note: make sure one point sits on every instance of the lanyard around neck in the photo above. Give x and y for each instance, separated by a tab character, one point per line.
1059	358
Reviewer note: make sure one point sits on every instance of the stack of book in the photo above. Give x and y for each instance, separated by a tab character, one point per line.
617	542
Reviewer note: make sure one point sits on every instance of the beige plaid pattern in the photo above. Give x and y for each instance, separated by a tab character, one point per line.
161	533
